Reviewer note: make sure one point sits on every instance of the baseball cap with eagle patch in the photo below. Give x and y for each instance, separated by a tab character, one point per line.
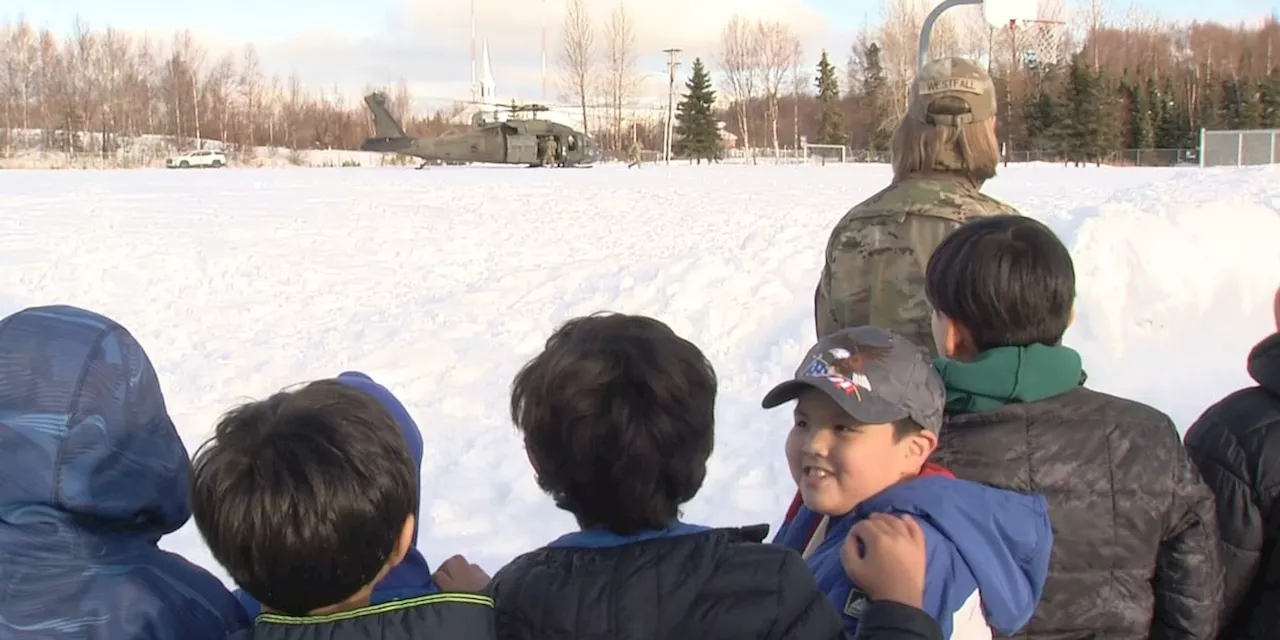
876	376
952	78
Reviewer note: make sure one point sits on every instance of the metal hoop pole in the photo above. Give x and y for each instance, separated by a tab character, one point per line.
926	29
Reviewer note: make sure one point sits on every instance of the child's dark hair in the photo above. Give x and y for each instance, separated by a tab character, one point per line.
1007	279
618	417
303	496
905	428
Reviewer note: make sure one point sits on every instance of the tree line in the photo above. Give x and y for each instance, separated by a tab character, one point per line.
1079	92
1104	85
97	90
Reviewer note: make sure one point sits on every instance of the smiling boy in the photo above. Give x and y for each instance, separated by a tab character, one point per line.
867	416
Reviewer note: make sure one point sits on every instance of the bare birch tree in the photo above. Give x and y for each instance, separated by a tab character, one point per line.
739	64
250	85
776	43
799	79
621	58
577	56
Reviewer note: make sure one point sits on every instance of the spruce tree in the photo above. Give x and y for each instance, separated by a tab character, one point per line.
1086	135
1139	116
1269	99
831	119
1155	112
1169	130
697	134
875	98
1042	117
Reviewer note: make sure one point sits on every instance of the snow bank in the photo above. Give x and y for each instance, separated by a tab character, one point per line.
1176	281
441	283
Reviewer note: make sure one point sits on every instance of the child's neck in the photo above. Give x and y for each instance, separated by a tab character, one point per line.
359	600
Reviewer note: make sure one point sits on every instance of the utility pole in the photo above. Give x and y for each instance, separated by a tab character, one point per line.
474	85
544	51
672	63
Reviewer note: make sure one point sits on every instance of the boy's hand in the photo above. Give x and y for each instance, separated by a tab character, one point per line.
457	574
885	556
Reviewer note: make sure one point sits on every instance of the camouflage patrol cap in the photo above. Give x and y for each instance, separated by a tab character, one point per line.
875	375
954	78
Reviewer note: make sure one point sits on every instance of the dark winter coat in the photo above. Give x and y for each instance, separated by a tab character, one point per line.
92	475
1135	537
1236	444
885	620
684	582
440	616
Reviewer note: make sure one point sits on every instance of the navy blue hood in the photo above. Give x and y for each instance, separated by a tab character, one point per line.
414	574
92	474
88	448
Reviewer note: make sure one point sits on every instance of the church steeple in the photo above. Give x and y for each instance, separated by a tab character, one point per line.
486	75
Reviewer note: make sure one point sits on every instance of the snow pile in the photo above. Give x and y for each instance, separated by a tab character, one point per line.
1176	281
441	283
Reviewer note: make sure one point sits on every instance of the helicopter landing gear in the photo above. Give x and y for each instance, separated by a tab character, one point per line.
424	164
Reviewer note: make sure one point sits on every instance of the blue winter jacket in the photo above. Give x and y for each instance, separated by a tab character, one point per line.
411	578
978	540
92	475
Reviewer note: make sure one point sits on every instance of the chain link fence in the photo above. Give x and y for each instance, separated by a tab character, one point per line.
1239	148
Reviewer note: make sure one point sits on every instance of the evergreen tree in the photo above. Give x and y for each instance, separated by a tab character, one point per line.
1086	132
1139	115
698	134
1043	120
1269	99
1170	133
831	119
1252	109
875	98
1231	109
1155	112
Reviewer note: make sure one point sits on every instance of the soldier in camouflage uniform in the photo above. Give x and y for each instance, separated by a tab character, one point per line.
635	154
548	158
876	255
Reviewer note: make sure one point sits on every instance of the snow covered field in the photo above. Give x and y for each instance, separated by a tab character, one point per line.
441	283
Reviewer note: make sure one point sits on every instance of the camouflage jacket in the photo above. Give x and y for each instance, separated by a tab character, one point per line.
876	255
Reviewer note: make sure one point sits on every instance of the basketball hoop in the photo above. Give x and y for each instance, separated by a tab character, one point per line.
1038	42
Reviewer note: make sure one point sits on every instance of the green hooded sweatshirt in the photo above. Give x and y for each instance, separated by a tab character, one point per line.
1006	375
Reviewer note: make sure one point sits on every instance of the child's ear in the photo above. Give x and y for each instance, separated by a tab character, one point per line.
1277	309
921	445
404	543
952	339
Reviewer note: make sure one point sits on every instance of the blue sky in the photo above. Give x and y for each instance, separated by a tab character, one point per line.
265	19
354	44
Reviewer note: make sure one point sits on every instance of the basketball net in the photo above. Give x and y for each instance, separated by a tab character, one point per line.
1039	42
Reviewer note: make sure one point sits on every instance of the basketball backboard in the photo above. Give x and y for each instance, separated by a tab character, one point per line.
999	13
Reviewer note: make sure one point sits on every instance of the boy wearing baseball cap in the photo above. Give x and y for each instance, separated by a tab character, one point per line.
868	409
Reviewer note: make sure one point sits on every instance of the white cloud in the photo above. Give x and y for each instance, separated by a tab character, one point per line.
428	44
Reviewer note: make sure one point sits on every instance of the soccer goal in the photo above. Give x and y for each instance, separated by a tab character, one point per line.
824	153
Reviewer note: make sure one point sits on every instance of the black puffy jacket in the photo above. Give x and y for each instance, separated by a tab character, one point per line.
451	616
1236	444
720	584
1135	538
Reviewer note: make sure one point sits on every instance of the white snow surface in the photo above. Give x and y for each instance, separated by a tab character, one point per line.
441	283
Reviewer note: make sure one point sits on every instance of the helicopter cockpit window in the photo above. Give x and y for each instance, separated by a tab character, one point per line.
573	143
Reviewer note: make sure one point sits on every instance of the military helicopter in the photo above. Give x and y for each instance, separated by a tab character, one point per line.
514	141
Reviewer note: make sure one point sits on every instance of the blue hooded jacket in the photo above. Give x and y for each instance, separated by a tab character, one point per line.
92	475
977	539
411	578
